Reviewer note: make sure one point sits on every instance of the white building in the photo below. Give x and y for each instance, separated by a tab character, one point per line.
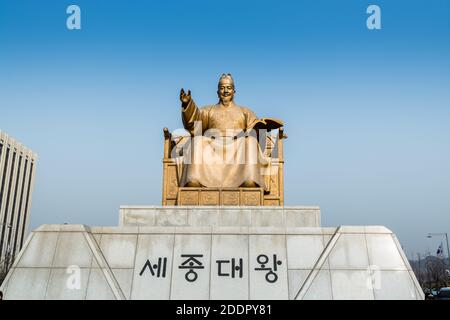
17	171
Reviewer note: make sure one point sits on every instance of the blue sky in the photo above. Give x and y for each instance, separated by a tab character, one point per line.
367	111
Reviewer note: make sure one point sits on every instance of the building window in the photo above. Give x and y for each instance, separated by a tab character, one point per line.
27	201
14	201
5	166
22	190
2	187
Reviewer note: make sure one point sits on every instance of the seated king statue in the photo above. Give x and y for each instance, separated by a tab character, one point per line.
223	150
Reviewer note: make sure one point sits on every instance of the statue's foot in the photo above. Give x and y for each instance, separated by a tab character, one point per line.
249	184
194	184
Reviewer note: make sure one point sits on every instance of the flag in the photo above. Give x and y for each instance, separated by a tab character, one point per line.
440	252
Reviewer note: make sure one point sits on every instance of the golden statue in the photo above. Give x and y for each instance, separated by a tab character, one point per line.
228	149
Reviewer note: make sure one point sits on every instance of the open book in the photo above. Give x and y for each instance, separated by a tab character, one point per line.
266	123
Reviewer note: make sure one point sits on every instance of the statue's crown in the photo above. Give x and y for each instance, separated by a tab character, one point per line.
226	78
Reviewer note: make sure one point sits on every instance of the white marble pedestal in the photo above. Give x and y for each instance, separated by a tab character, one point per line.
212	253
223	216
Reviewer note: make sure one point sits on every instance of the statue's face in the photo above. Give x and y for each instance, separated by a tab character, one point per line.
226	92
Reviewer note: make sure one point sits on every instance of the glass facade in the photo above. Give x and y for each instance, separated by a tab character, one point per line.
16	185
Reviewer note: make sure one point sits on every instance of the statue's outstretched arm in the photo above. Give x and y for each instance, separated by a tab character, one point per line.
190	113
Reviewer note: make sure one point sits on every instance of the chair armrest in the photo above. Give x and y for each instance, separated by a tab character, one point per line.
167	138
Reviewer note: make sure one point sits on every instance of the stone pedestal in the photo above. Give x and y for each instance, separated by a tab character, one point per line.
212	253
225	216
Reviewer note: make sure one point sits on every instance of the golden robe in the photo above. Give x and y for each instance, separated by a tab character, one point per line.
219	153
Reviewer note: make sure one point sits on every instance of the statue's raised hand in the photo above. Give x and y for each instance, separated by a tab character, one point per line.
185	97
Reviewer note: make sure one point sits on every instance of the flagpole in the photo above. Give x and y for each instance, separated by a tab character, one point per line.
446	240
448	250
